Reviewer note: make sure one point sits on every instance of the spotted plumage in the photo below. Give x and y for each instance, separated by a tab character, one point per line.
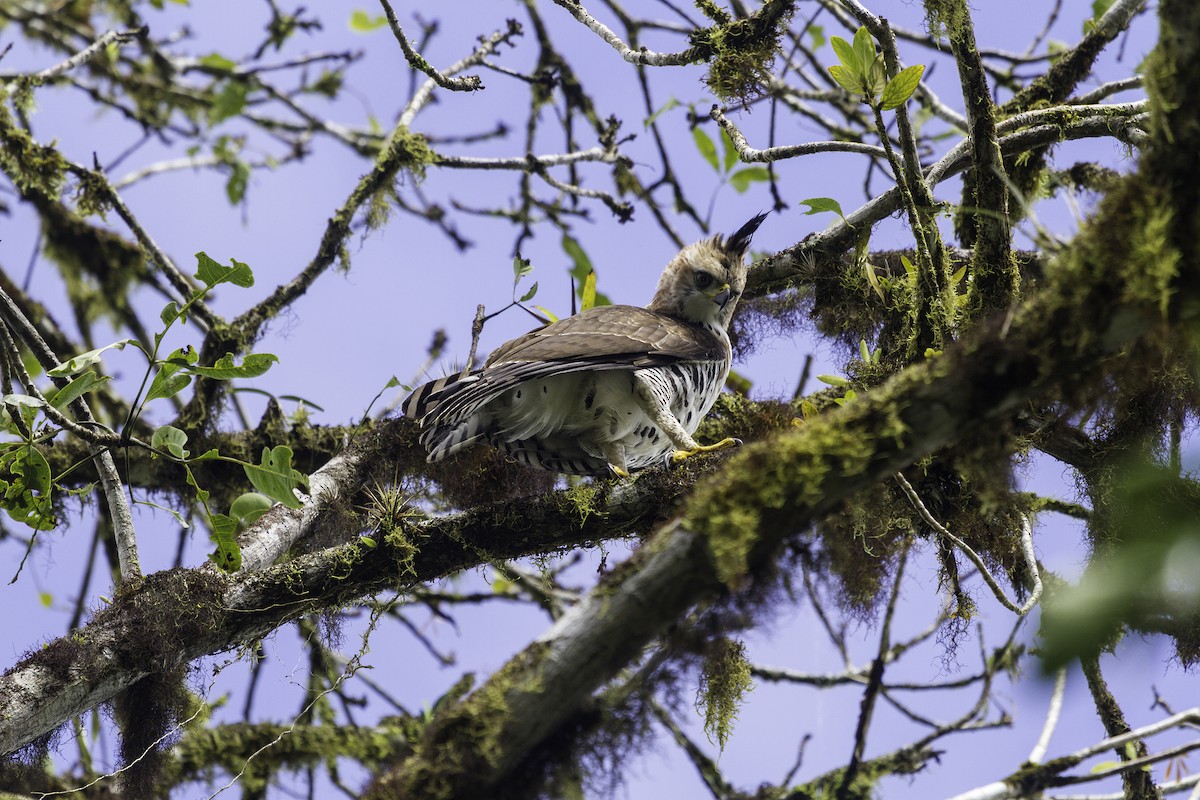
614	388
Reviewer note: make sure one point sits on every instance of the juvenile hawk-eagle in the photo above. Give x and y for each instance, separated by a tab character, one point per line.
614	388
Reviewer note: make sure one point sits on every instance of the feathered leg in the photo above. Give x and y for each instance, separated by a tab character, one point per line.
685	445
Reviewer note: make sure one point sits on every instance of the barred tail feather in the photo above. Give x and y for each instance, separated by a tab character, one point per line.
446	440
425	399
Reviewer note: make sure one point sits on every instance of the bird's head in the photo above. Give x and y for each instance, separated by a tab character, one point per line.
703	283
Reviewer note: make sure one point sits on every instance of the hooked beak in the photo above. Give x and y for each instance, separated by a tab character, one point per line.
722	297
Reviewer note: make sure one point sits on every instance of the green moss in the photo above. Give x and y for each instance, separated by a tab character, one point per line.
1153	263
34	168
945	18
466	740
580	501
760	486
723	686
742	51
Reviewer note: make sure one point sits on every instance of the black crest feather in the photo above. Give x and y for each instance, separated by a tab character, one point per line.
740	241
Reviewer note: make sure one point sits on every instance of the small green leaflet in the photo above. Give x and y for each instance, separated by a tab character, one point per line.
217	61
582	264
833	380
228	555
253	365
171	439
707	148
529	295
362	22
816	205
239	177
845	54
26	497
521	268
588	296
210	273
249	507
167	383
275	476
845	78
77	388
742	179
229	102
901	87
864	47
817	34
84	360
667	106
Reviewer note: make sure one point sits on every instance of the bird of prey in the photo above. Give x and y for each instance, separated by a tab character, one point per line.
612	389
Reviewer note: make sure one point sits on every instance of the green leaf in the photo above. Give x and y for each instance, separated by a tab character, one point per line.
521	268
547	313
667	106
275	476
229	102
876	78
529	295
1099	8
873	279
253	365
167	381
588	295
816	205
901	87
210	273
84	360
845	53
217	61
958	275
170	313
817	34
228	556
46	599
171	439
362	22
77	388
249	507
582	264
864	48
731	153
742	179
235	187
707	148
848	80
833	380
183	523
24	401
26	497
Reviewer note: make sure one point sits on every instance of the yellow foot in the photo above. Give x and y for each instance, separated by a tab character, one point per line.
618	471
680	455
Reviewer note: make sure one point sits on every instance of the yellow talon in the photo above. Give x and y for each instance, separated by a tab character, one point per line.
680	455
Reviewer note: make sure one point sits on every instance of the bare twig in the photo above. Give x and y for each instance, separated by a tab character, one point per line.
467	84
993	584
83	56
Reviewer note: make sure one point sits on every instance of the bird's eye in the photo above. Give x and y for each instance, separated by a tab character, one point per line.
704	279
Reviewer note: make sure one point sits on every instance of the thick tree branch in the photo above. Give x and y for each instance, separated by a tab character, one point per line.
735	522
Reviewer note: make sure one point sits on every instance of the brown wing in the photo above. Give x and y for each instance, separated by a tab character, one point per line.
626	334
604	338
